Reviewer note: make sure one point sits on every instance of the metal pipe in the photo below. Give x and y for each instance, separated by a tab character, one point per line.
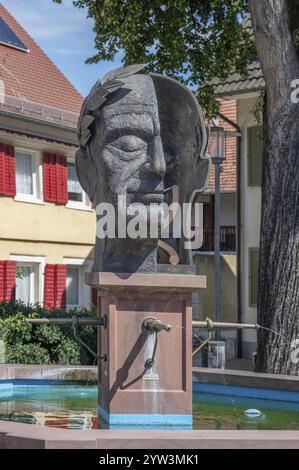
210	325
66	321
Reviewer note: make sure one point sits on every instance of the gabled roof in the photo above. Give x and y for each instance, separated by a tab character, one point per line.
235	84
33	85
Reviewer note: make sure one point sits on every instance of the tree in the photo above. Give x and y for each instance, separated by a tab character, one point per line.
192	40
196	41
276	26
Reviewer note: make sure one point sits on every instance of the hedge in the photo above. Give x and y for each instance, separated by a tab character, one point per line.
43	344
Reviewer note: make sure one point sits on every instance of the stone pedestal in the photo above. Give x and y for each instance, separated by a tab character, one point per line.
129	393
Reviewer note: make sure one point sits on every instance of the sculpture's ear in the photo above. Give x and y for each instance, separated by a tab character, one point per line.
200	175
87	173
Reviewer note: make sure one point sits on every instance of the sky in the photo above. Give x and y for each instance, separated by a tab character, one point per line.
65	34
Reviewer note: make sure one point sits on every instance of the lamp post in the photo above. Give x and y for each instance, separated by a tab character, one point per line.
217	150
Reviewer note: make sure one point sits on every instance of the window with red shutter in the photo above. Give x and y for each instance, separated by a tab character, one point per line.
49	287
7	170
7	280
2	277
10	280
55	286
55	178
94	297
60	286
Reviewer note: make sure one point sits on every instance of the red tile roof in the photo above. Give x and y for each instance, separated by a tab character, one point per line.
32	76
228	179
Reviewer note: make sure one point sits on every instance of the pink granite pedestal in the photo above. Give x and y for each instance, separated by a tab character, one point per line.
129	393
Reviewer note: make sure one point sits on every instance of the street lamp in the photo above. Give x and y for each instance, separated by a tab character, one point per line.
217	151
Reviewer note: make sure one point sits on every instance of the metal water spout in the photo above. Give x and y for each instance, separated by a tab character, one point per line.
153	325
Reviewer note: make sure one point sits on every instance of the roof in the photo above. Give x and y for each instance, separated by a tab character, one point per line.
235	84
33	85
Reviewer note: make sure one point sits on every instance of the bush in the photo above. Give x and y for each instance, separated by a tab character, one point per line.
43	344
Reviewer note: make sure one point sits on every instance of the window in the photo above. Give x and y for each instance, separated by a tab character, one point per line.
25	284
24	173
28	282
78	293
255	155
253	276
72	286
75	192
28	172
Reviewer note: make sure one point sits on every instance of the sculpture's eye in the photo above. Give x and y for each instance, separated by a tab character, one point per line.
129	143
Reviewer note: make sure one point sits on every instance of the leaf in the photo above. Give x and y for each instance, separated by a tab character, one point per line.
86	121
122	72
96	101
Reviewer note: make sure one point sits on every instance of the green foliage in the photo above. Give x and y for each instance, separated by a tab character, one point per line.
43	344
191	40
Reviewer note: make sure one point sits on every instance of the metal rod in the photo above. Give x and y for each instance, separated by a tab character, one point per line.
202	345
66	321
209	325
217	247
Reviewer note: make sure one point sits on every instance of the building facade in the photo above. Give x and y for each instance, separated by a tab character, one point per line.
47	227
246	92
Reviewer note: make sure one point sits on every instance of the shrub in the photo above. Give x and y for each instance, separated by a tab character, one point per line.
43	344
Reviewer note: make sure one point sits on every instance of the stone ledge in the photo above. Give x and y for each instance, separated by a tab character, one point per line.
26	436
52	372
242	378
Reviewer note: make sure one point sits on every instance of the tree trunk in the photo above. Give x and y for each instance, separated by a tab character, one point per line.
278	298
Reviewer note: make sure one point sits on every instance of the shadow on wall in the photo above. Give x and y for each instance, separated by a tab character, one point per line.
205	306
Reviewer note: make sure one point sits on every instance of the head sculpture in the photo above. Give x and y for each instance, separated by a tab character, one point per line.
140	135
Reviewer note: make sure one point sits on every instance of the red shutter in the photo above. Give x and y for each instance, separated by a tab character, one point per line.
2	277
49	287
7	280
94	297
60	286
7	170
55	178
61	171
10	280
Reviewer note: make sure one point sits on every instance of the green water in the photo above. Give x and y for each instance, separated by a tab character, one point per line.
75	407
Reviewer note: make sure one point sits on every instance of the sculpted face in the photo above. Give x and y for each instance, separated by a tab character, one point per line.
127	147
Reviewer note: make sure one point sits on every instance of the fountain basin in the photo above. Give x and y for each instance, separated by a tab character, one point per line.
219	401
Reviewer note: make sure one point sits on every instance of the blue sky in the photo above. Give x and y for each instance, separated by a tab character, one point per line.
65	34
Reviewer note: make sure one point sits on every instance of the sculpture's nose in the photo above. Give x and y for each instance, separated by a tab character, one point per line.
158	164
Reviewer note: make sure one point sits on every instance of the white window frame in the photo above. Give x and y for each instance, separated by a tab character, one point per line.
84	295
37	178
39	264
85	205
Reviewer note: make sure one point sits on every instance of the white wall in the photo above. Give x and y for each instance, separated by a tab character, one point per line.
250	221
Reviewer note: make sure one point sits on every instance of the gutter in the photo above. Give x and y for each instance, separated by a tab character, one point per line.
54	125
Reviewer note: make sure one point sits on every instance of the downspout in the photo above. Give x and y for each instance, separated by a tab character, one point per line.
239	287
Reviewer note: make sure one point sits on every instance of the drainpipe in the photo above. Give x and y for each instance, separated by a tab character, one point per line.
239	287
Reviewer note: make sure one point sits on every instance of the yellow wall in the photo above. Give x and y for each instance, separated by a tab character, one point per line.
45	222
52	252
205	265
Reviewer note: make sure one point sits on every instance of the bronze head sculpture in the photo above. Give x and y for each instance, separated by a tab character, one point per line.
140	134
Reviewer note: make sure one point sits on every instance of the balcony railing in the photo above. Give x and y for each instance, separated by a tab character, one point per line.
227	239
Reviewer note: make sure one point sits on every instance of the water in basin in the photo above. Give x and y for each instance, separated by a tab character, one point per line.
75	407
